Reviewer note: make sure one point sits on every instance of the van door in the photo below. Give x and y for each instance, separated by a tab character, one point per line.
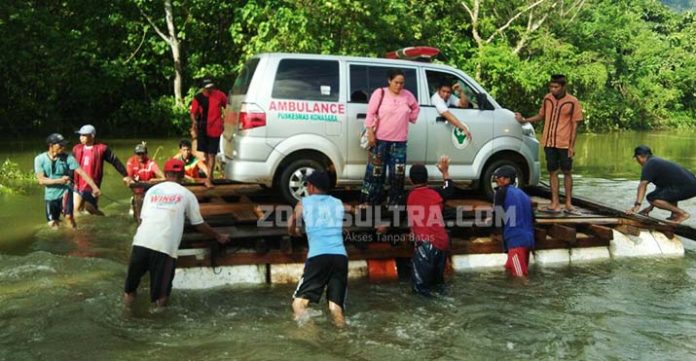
443	138
364	79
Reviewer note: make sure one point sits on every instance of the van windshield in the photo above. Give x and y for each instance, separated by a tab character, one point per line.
241	84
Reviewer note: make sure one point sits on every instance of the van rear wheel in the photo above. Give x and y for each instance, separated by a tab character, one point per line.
488	183
293	179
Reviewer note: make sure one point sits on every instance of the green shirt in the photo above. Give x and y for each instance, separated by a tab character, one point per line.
63	165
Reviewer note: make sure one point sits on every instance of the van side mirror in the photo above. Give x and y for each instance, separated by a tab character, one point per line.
483	103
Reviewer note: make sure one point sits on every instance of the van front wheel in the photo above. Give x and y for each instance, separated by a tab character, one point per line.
488	184
293	179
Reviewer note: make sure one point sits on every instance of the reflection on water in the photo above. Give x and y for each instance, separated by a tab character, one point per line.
60	293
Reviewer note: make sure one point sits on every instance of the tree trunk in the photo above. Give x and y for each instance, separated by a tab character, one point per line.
176	51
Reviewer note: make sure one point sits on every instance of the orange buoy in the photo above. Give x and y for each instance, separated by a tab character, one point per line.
382	269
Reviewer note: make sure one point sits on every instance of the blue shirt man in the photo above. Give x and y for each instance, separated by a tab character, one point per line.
54	170
327	260
514	208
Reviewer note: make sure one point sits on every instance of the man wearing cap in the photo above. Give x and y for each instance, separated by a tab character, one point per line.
206	122
513	212
424	207
673	183
140	167
327	261
159	233
54	170
91	156
561	113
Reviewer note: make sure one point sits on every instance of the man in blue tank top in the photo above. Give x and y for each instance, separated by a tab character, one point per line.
327	261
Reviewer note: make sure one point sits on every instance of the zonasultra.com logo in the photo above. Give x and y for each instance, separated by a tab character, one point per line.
394	217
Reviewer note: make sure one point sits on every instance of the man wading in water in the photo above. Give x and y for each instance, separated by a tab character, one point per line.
673	183
159	234
327	260
54	170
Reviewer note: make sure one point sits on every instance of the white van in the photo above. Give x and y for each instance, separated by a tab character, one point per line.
291	114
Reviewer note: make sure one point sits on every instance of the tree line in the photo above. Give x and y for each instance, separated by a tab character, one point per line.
131	67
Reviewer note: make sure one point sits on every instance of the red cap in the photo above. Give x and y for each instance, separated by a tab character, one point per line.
174	165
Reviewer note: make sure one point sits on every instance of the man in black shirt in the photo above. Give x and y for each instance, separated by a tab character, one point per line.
673	183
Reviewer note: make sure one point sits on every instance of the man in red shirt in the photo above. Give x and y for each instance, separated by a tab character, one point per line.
424	208
206	122
141	168
91	156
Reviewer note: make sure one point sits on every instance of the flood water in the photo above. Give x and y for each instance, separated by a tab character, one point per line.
60	292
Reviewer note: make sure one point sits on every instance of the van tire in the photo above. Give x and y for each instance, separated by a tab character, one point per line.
486	185
291	181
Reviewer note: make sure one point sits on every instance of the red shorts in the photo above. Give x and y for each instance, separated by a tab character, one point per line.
517	261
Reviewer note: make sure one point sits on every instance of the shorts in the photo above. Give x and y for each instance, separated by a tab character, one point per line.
671	195
89	198
63	205
558	158
160	266
206	144
326	270
517	261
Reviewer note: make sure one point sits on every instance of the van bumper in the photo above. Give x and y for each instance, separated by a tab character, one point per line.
248	171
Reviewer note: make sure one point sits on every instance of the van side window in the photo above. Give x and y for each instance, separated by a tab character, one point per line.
435	78
304	79
365	79
241	84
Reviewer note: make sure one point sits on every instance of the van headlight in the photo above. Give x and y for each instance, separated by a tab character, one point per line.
528	130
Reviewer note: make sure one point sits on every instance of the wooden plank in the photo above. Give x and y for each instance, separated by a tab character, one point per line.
564	233
560	220
602	232
540	234
216	209
628	230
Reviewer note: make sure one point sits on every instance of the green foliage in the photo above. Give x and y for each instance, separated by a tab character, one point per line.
13	180
631	63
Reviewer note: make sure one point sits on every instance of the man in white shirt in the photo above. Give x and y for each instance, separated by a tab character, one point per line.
443	99
159	234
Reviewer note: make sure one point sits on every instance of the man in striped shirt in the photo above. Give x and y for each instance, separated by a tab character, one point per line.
561	113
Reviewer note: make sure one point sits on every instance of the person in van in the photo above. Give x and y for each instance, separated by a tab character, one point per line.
443	100
389	113
561	113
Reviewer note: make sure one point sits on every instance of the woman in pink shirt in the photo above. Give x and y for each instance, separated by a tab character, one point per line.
389	113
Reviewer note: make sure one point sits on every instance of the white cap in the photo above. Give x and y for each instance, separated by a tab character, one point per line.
87	129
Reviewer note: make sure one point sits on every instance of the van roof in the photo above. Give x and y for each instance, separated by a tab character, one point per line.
385	61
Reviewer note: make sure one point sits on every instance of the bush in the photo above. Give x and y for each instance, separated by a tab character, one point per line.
13	180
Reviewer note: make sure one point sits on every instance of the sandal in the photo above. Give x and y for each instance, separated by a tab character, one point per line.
572	212
550	210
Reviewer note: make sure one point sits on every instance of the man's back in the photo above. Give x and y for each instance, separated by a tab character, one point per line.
518	228
162	217
666	174
323	220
